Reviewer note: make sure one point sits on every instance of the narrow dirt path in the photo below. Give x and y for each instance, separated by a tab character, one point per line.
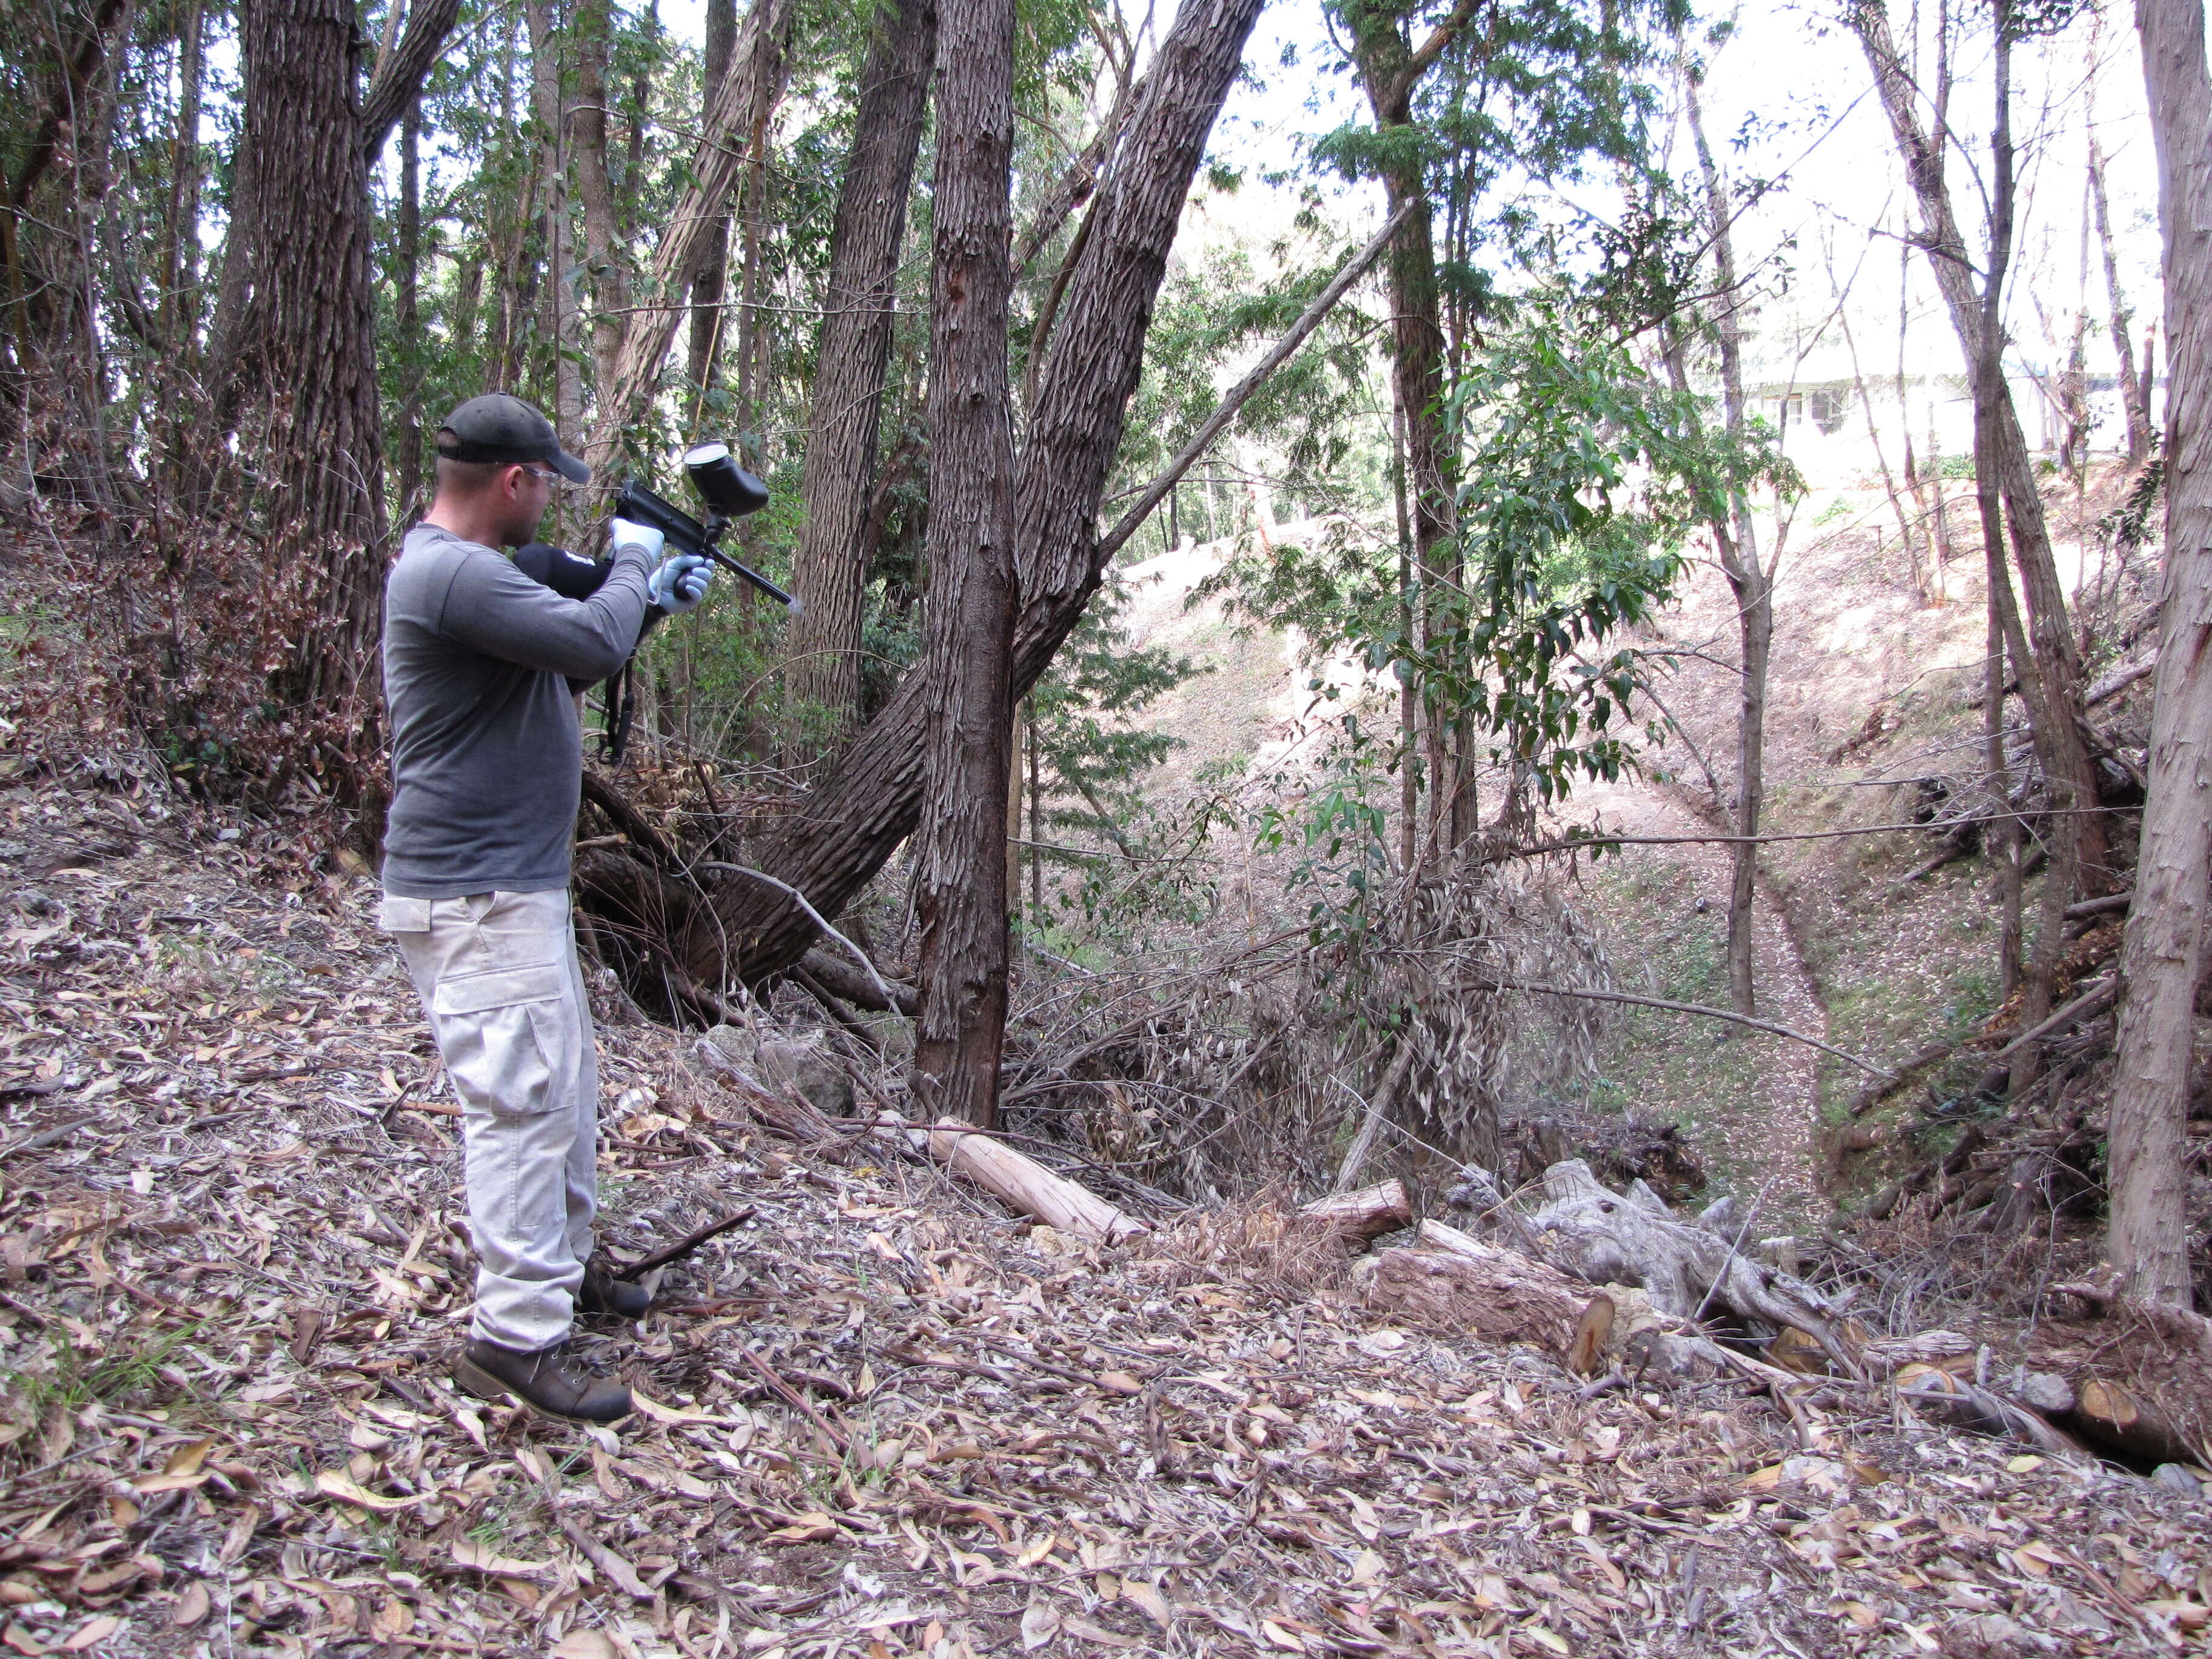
1771	1147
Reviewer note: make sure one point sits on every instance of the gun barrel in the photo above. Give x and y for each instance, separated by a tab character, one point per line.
746	572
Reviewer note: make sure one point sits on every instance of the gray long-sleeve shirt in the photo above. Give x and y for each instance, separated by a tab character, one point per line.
486	752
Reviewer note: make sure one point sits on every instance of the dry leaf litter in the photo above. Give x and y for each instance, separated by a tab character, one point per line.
880	1417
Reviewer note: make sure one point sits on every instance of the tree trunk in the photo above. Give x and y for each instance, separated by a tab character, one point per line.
1389	70
712	279
859	815
180	253
551	107
969	613
2161	958
1750	581
829	568
2134	394
2006	829
592	28
304	361
2052	688
754	333
406	317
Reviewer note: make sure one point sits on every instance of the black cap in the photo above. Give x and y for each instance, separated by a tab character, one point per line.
498	428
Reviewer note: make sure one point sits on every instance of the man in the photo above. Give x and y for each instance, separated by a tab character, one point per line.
481	666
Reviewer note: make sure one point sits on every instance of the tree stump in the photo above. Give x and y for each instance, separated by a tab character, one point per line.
1588	1230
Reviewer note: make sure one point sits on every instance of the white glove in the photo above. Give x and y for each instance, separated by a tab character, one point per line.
681	583
642	537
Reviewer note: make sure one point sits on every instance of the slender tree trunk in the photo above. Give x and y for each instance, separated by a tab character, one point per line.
859	815
969	613
1390	68
2134	393
1409	706
2042	659
180	251
660	297
2007	828
406	316
2163	951
2052	691
592	30
1749	579
753	324
711	282
830	566
551	106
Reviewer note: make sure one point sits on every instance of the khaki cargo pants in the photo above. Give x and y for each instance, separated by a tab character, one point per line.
497	974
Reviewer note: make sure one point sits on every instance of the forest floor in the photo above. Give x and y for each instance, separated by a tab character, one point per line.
883	1416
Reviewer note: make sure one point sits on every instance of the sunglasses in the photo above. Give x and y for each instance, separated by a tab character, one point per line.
552	478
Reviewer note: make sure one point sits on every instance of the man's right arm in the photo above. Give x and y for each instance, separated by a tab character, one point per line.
492	607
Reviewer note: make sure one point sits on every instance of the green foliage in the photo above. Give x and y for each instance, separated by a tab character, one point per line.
1095	757
1579	477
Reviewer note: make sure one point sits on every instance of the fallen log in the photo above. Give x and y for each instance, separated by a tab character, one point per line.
1596	1234
842	978
2111	1415
2141	1374
1361	1218
1479	1291
1022	1183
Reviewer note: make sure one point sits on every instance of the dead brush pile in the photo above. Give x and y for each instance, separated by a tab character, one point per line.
1393	1031
885	1418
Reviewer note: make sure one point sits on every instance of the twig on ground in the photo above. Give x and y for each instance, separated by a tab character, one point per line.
685	1246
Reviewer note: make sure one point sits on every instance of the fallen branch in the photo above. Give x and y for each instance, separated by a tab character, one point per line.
685	1246
796	1400
2091	1001
618	1571
1023	1184
883	987
837	976
1968	1405
1601	1237
1226	410
43	1138
632	823
2110	685
1584	843
1729	1015
1882	1087
2083	909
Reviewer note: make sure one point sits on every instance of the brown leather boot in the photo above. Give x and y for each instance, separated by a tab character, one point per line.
603	1293
552	1379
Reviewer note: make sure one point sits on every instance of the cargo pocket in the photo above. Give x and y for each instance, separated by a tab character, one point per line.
510	1037
403	916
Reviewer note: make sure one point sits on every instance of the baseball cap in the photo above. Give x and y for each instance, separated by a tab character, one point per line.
498	428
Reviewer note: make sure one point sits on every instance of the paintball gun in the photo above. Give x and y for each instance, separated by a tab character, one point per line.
730	493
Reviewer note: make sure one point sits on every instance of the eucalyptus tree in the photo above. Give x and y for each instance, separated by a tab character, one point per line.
1460	97
2163	951
2046	657
845	410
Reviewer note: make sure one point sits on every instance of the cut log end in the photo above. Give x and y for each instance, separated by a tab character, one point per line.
1361	1218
